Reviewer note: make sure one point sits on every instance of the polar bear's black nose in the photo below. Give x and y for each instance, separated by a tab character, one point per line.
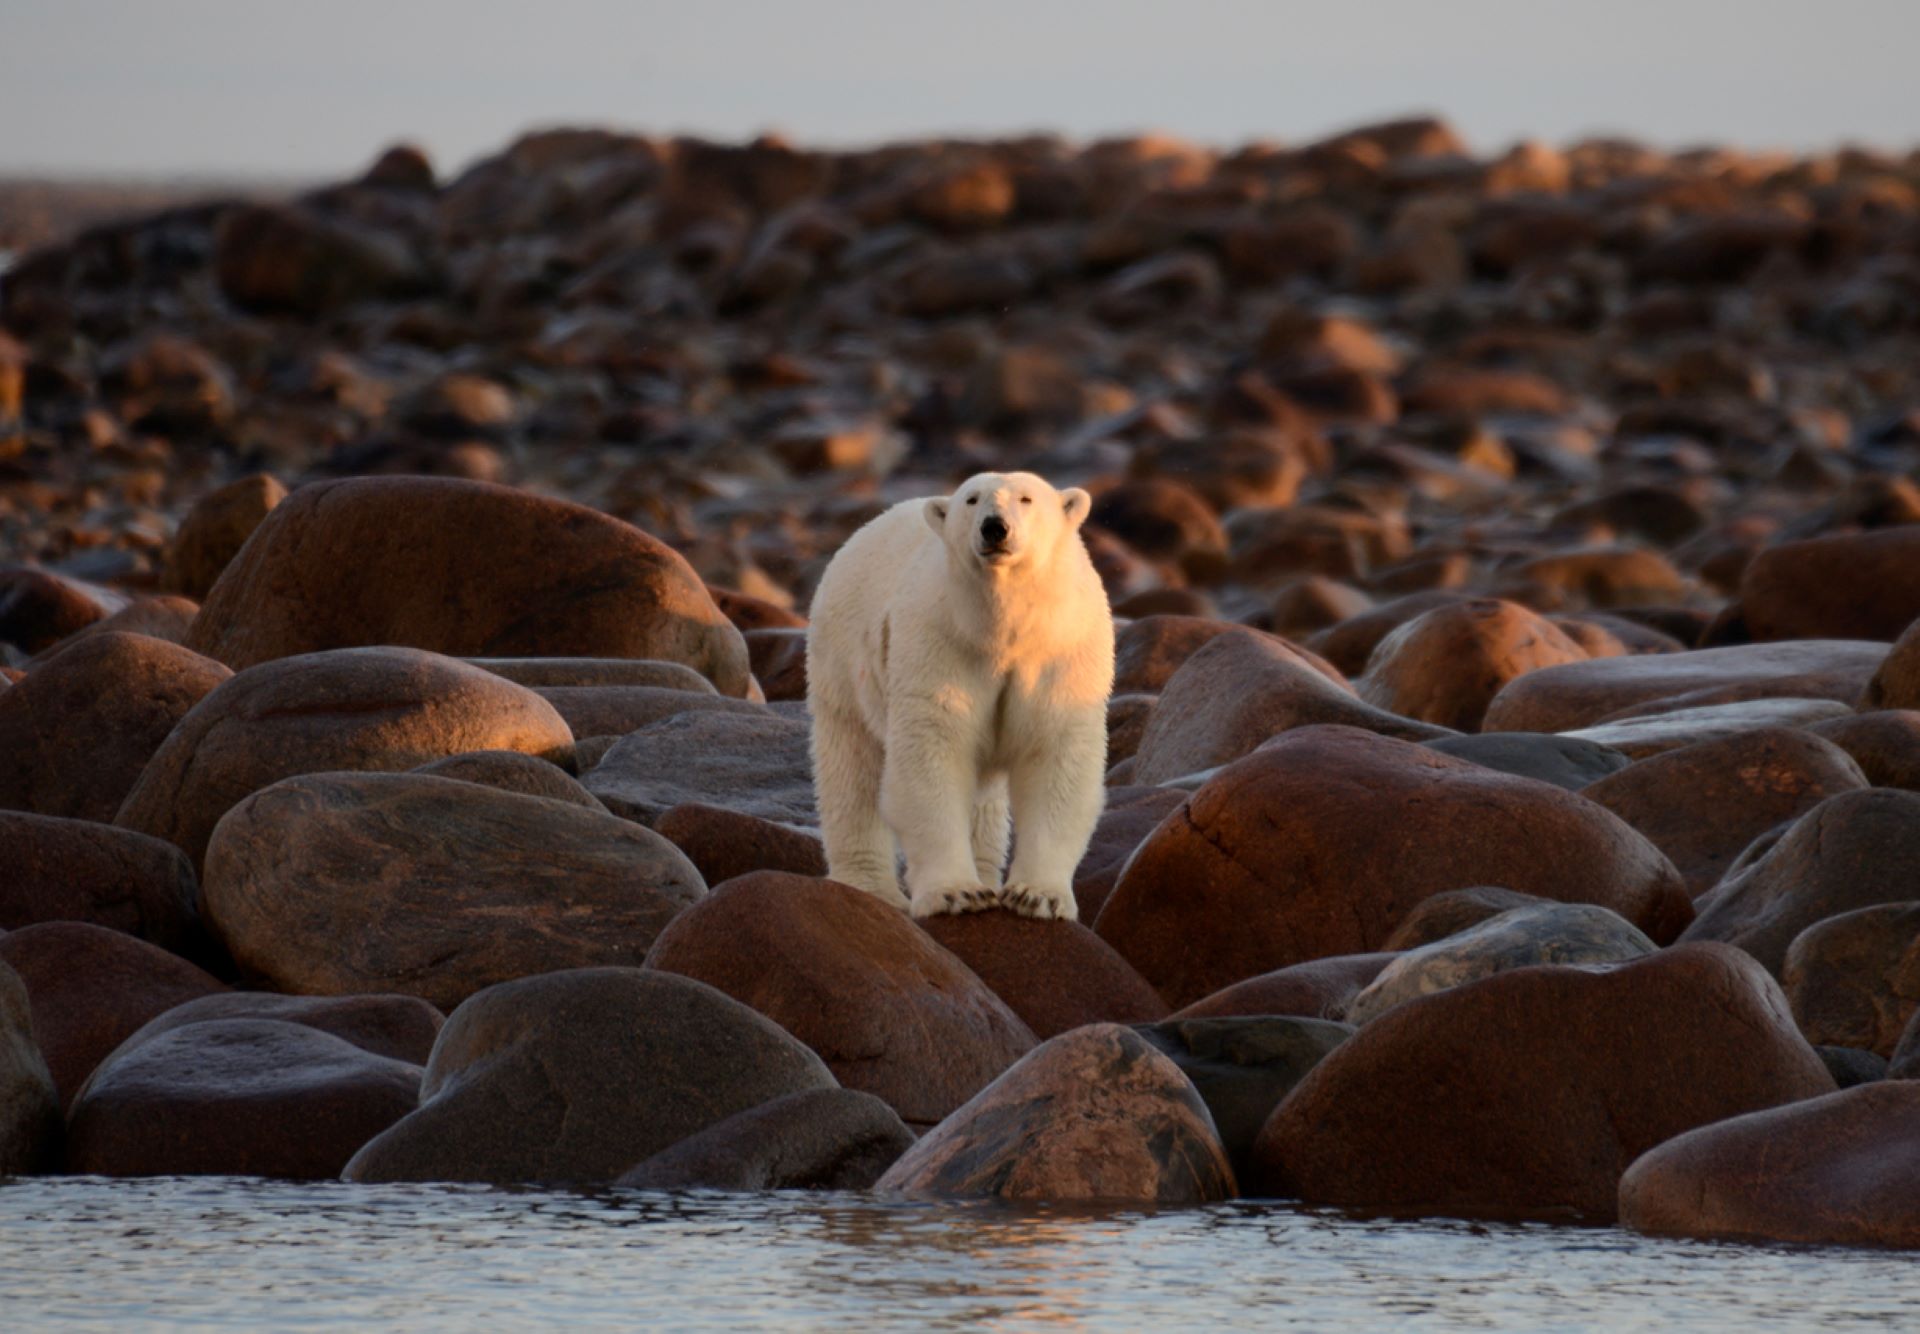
994	528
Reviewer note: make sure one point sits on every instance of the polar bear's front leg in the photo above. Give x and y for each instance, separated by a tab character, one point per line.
927	796
1058	789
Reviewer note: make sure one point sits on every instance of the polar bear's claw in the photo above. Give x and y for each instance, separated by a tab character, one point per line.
1043	905
958	899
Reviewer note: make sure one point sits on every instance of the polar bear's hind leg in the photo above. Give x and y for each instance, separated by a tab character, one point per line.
848	762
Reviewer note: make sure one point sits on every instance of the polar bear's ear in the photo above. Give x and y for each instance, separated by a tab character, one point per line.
1077	504
936	512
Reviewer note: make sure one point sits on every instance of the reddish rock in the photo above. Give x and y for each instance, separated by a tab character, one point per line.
779	659
1095	1114
1885	744
505	574
1324	839
888	1009
1602	577
618	710
581	673
724	844
1897	684
83	725
92	989
1349	645
78	871
1851	851
1537	1088
1238	690
368	708
1848	586
214	530
513	771
1446	665
1164	520
1317	989
1149	651
163	618
236	1097
574	1077
1703	804
1854	979
1656	731
1055	975
751	613
753	763
1840	1170
1131	814
39	608
1562	699
341	884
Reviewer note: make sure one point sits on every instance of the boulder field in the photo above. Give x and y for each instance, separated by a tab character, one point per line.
1514	755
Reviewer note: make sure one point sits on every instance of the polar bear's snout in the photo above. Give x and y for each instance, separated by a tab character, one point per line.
993	535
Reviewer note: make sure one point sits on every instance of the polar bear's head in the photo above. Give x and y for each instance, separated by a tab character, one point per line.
1007	519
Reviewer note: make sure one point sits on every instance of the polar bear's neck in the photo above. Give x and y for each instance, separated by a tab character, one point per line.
1013	614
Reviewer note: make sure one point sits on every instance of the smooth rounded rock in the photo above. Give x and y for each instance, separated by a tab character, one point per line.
1324	839
1131	813
340	884
1703	804
1568	762
1317	989
461	568
1656	733
350	709
724	844
1897	684
1446	665
1844	586
889	1010
823	1139
236	1097
30	1127
1448	914
401	1028
1841	1170
214	530
755	764
77	871
80	729
1095	1114
1851	851
1854	980
1055	975
1885	744
1542	933
572	1078
513	771
1536	1088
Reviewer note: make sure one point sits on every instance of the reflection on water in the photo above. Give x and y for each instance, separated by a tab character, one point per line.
82	1253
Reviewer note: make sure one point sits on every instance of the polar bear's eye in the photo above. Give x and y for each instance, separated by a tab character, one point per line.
973	500
1026	500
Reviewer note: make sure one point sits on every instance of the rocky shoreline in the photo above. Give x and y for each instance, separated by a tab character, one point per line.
1516	742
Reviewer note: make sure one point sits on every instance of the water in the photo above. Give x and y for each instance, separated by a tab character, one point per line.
85	1253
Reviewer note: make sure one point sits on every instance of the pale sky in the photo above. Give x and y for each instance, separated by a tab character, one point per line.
317	87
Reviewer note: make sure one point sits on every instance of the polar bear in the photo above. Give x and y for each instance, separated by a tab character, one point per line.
959	660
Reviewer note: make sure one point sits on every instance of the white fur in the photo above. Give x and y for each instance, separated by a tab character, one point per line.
949	686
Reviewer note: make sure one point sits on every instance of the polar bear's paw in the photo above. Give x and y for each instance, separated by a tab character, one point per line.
1045	904
955	899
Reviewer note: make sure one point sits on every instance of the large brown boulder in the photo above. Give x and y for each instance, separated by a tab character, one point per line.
29	1106
1842	1170
1055	975
1703	804
1316	989
92	989
1577	695
79	730
823	1139
1897	684
1847	586
1446	665
1639	735
213	532
512	771
1851	851
365	708
462	568
1131	813
724	844
165	617
575	1077
39	608
1324	838
236	1097
889	1010
1854	980
1885	744
1349	644
1149	650
574	673
1536	1088
77	871
755	764
1238	690
1095	1114
338	884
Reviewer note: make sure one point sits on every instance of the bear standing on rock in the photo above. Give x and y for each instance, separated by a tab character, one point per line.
959	661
